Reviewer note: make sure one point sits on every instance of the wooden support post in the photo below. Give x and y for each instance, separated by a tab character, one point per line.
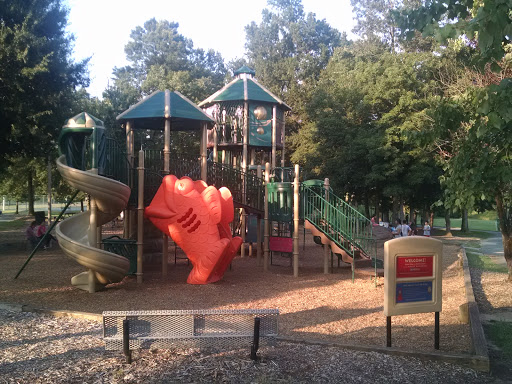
93	240
215	142
243	218
274	129
296	187
49	190
140	218
283	143
204	143
267	224
258	227
326	259
167	167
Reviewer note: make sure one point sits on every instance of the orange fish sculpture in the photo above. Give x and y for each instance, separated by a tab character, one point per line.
197	218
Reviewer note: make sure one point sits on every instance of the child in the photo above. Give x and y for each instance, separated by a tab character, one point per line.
41	230
30	233
426	229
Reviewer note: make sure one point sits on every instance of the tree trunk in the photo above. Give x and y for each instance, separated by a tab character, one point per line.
505	218
82	205
464	226
447	219
507	250
366	206
30	191
377	209
401	209
17	207
385	209
394	213
431	221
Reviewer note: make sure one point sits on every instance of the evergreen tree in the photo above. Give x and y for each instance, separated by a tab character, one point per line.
37	80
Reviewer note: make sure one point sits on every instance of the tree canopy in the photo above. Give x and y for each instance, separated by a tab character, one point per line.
37	83
476	146
37	75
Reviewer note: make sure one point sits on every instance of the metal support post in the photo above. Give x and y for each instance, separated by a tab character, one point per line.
436	331
256	339
126	341
388	331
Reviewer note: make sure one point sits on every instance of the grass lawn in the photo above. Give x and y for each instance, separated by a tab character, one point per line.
478	234
501	334
474	224
484	263
13	225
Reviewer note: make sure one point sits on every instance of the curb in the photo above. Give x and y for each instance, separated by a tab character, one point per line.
50	312
478	363
479	343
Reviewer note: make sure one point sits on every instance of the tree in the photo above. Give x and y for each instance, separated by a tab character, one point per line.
37	78
160	57
362	111
288	50
479	167
376	21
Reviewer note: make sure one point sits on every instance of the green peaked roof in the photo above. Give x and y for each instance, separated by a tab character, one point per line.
244	69
83	120
244	89
150	113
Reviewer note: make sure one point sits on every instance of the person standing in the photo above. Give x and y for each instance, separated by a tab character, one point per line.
426	229
406	230
398	230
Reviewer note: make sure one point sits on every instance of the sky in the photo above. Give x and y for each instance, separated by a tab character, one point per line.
102	27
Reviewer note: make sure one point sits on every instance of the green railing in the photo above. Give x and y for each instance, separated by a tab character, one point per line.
116	165
247	189
283	174
340	222
112	160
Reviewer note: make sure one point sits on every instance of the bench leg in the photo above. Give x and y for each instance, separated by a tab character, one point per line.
256	341
126	341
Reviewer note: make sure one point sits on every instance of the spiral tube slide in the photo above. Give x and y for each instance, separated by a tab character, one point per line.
74	234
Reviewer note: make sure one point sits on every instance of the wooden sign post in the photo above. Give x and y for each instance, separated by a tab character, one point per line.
413	279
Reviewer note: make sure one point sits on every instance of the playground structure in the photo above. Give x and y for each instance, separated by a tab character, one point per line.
197	217
242	128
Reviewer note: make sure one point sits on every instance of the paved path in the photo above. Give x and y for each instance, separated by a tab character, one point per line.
493	247
9	217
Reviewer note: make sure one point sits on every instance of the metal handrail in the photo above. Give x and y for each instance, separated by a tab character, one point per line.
340	222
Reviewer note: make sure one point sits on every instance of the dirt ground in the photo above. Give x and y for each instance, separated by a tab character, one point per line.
313	306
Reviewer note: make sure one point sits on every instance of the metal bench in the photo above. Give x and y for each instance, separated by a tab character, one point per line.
128	330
